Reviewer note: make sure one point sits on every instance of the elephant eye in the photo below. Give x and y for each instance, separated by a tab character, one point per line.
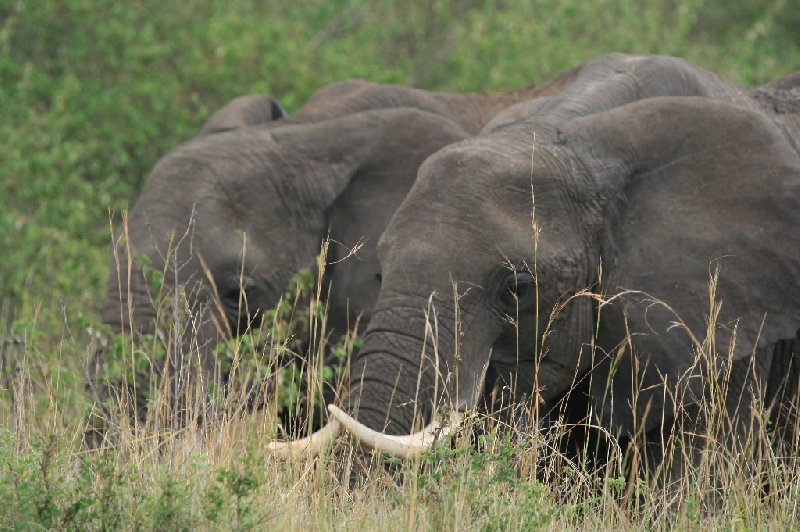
230	291
518	291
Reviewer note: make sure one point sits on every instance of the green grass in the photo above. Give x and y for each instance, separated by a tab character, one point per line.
92	93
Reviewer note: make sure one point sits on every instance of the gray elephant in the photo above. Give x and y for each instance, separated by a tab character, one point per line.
232	214
570	245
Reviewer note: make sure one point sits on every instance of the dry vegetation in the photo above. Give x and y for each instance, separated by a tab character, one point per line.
494	473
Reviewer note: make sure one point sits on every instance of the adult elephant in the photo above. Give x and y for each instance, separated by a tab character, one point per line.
573	241
230	215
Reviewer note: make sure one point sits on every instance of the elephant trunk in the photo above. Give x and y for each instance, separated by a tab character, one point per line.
406	369
402	371
128	305
175	333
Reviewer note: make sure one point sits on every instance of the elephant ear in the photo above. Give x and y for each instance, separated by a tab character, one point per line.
330	153
243	111
688	185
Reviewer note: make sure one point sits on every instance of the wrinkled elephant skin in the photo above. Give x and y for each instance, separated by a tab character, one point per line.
631	186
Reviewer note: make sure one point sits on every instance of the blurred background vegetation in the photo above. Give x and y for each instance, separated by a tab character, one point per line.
93	92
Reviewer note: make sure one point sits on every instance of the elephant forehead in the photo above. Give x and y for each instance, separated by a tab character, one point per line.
471	244
497	152
490	182
480	208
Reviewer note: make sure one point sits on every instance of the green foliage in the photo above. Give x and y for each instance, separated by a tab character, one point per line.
39	488
278	350
489	481
33	491
167	508
241	484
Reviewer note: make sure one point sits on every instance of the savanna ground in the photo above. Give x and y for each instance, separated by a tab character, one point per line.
92	93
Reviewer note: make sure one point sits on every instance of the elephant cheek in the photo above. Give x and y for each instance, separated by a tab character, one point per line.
470	379
207	331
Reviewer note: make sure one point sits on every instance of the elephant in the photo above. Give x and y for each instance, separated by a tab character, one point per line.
231	214
573	244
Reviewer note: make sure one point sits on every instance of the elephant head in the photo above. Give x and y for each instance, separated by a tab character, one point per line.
231	215
248	110
545	257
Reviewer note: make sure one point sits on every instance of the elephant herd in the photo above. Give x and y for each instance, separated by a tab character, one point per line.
614	238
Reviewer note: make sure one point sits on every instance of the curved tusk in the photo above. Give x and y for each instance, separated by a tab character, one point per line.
310	445
402	446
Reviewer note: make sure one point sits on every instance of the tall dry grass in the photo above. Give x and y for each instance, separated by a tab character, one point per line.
498	472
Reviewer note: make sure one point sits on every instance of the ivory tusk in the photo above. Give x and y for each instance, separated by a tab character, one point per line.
402	446
310	445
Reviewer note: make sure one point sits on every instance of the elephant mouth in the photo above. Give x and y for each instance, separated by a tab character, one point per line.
406	447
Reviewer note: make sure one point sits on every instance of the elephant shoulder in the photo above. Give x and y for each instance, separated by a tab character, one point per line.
338	99
338	90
